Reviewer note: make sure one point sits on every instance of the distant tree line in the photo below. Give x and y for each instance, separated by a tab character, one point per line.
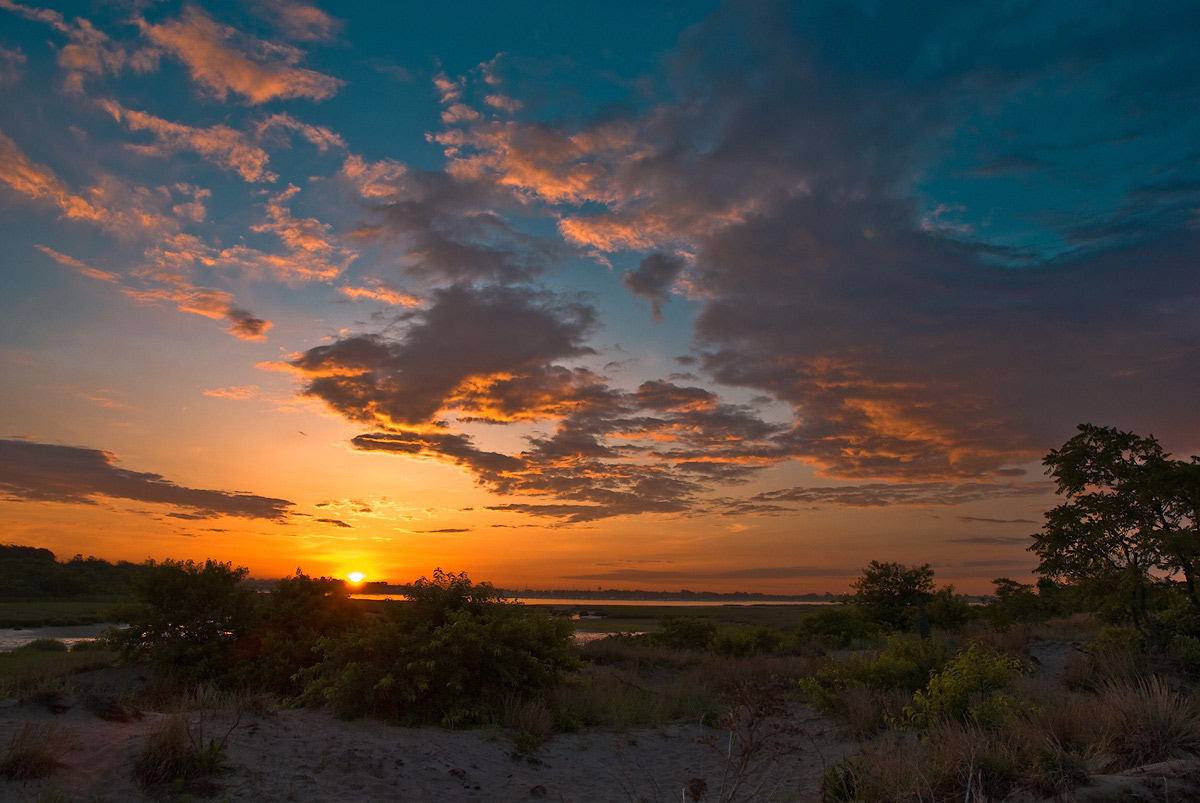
34	573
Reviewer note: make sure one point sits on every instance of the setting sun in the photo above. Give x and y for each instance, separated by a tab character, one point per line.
356	577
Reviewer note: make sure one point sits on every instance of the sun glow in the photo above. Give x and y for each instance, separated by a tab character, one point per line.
356	577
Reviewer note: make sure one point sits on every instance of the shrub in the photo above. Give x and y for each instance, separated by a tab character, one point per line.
449	656
738	642
906	664
298	613
187	619
972	687
45	645
837	627
685	633
34	752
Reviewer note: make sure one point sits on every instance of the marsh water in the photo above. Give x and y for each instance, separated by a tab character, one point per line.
13	637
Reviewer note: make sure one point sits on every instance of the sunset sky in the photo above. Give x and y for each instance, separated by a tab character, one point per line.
653	294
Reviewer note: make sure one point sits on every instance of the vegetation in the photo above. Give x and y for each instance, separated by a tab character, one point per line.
939	692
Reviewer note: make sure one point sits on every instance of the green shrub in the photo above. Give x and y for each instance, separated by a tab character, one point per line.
906	664
1116	637
187	619
449	656
837	627
45	645
738	642
685	633
972	687
297	614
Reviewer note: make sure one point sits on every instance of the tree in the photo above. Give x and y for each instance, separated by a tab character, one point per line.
1129	524
188	617
893	594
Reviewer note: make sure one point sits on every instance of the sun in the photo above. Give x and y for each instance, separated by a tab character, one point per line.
356	577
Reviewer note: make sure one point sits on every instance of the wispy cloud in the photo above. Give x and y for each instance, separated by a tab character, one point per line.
221	145
212	55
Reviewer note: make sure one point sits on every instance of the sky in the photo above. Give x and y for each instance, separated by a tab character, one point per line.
651	294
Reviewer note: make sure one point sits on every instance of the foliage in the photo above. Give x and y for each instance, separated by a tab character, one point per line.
947	611
838	626
450	655
1129	524
298	613
685	633
187	619
972	687
904	664
31	573
894	594
1014	603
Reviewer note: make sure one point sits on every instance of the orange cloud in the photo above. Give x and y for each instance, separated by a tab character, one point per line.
381	292
37	181
221	145
321	137
313	255
89	52
203	46
238	392
372	180
301	21
85	269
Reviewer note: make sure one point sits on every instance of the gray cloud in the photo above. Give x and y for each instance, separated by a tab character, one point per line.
41	472
653	278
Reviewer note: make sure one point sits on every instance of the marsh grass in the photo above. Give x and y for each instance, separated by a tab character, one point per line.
36	666
35	752
1146	722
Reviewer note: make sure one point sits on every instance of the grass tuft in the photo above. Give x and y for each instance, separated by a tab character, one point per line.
1145	722
35	752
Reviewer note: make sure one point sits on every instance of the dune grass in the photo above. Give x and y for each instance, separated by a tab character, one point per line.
35	752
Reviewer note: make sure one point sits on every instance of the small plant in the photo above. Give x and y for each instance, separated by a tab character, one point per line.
35	752
176	753
973	687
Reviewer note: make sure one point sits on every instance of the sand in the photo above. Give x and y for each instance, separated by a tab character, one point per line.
308	755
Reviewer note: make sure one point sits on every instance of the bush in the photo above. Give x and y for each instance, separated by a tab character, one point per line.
298	613
685	633
838	627
45	645
451	656
187	619
972	687
905	664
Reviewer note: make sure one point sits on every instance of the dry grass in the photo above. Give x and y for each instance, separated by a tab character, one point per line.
1077	628
35	752
1145	722
175	752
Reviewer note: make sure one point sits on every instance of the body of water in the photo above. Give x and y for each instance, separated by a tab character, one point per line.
584	603
11	638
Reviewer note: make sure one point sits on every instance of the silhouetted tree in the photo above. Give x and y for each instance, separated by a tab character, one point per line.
1129	523
895	594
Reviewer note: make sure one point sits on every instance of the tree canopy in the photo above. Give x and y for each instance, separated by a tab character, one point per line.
1128	528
